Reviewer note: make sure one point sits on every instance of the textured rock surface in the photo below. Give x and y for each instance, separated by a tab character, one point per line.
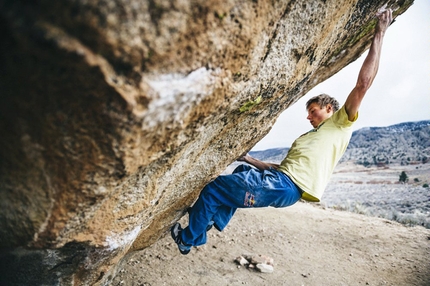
114	114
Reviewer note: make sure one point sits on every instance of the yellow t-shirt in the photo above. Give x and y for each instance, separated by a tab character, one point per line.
313	156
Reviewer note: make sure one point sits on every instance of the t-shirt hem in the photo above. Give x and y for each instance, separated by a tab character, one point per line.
308	197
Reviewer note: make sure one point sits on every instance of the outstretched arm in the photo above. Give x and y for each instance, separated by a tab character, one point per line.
370	66
257	163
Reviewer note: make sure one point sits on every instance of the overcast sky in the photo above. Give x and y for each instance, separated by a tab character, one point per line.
400	92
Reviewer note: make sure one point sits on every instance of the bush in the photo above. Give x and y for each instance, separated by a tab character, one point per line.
403	177
425	185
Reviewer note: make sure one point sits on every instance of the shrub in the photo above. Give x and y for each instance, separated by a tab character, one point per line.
403	177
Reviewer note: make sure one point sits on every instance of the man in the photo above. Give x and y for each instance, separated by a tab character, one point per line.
305	171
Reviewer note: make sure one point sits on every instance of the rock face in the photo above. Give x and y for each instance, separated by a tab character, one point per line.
115	113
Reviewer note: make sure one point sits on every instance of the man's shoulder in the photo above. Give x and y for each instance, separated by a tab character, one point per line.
340	118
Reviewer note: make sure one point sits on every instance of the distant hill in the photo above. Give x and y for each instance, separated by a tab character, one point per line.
404	143
275	155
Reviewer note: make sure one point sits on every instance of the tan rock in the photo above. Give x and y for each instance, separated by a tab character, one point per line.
242	261
264	268
115	114
261	259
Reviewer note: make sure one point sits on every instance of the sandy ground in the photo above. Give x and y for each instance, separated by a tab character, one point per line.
310	246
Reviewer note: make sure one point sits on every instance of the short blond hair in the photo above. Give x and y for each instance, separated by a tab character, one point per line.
322	100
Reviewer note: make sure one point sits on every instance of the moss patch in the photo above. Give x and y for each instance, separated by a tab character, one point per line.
250	104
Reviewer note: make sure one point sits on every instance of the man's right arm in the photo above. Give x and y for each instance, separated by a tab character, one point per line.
257	163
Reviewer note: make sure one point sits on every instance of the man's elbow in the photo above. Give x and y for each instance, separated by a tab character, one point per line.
363	86
365	81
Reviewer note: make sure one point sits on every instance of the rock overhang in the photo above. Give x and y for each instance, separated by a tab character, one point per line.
116	113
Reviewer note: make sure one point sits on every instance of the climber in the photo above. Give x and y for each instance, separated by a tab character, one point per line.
305	171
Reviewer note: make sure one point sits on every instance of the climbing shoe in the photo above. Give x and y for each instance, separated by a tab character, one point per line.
175	231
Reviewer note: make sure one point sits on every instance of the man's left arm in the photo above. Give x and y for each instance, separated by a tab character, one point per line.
369	68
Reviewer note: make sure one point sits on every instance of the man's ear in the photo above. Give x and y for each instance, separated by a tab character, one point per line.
329	108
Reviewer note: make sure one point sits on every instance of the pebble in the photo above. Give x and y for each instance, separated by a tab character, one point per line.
262	259
262	263
242	261
265	268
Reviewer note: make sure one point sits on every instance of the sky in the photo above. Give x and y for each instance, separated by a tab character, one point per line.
399	93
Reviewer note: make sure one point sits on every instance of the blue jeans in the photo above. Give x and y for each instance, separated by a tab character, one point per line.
246	187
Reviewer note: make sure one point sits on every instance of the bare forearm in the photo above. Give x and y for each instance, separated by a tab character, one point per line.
369	68
257	163
371	63
366	76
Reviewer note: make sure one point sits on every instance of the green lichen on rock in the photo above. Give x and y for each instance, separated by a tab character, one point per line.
250	104
364	31
368	28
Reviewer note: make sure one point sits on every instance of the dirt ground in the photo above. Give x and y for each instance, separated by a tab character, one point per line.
310	245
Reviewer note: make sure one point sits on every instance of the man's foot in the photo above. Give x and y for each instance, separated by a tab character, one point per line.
175	231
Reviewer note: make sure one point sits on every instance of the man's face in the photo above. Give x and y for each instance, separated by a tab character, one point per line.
317	114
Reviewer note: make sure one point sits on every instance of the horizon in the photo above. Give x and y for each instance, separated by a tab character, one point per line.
365	127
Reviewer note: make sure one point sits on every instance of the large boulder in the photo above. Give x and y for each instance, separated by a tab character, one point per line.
115	113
